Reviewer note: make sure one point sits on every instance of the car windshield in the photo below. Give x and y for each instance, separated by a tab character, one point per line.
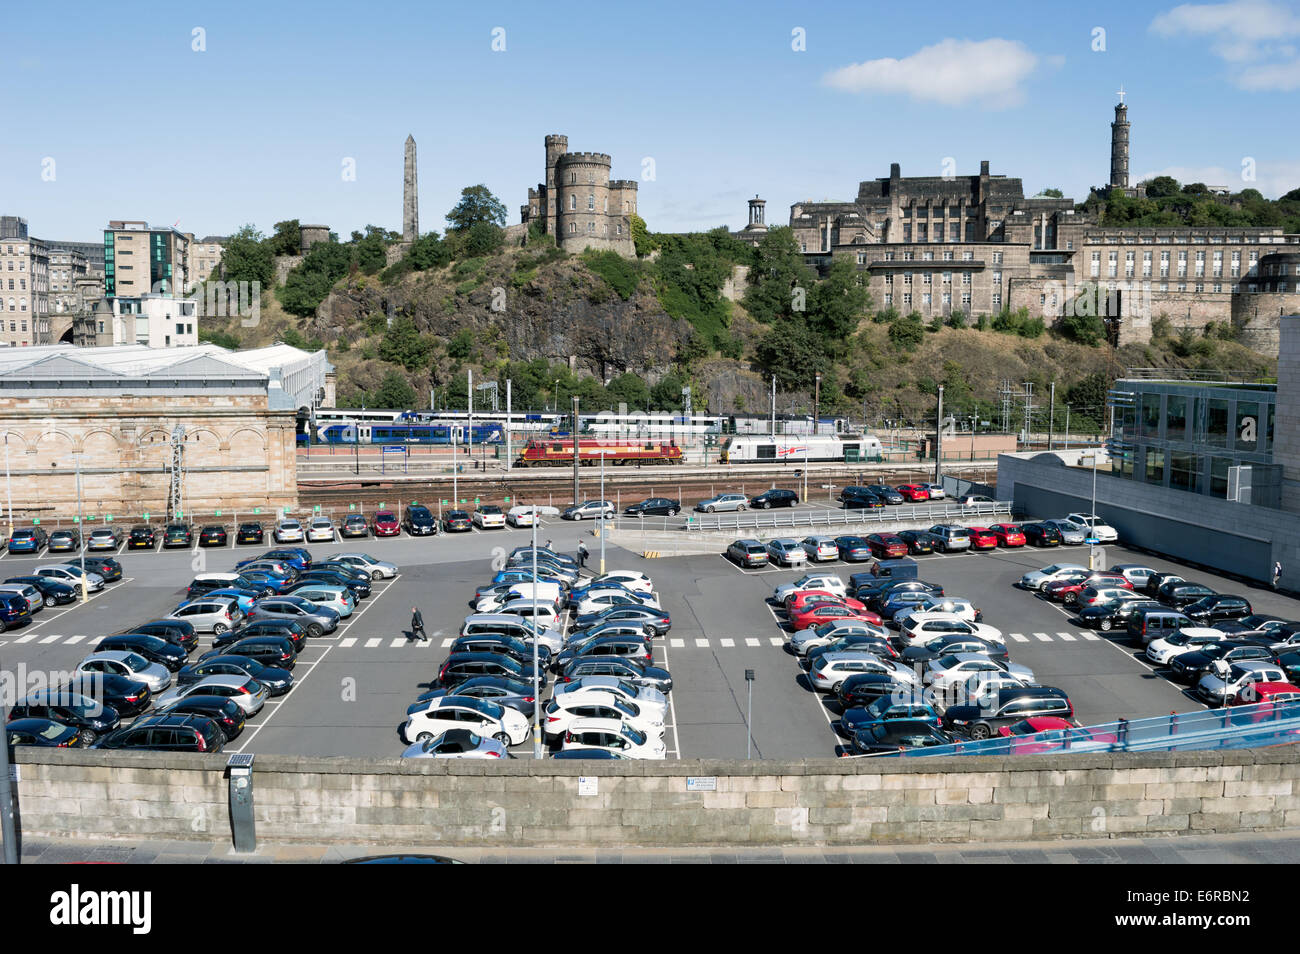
636	736
135	662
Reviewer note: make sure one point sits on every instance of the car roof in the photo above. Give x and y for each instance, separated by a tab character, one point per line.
221	680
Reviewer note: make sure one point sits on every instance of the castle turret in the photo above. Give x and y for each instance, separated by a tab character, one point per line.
556	147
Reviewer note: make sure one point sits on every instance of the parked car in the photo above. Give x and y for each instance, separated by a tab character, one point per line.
982	538
88	716
853	549
289	531
832	669
613	735
774	498
936	491
177	535
131	665
489	517
321	530
28	540
724	502
250	532
589	510
1135	573
457	744
277	681
626	670
378	569
1041	534
1183	594
173	630
748	553
888	494
245	691
1007	707
103	538
384	524
64	541
140	538
1090	522
654	507
167	733
33	597
1037	579
53	592
1115	612
950	538
425	720
209	615
267	648
42	733
226	713
106	568
1209	610
859	498
886	710
1227	684
354	525
418	520
1071	534
887	546
72	574
897	735
126	696
213	535
824	582
565	709
919	542
1008	534
457	521
976	500
516	694
820	549
153	648
914	493
1190	639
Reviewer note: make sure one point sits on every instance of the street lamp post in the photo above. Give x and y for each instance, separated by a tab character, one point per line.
604	525
81	525
1092	533
749	717
9	490
537	692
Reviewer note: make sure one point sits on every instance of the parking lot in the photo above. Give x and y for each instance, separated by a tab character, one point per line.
352	687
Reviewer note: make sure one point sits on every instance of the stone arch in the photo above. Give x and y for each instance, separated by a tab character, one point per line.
258	438
91	443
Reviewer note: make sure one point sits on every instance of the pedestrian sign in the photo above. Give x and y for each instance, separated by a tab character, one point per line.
76	520
37	521
316	508
255	510
216	513
352	506
108	518
146	516
507	500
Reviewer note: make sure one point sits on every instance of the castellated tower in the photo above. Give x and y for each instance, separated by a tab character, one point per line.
579	204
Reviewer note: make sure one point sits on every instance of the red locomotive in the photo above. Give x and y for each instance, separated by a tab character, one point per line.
559	452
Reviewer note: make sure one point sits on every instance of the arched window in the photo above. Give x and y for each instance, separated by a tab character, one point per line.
591	203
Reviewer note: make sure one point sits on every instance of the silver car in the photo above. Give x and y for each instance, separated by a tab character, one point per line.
820	548
288	531
736	502
245	691
787	551
1071	533
103	538
378	569
207	614
316	619
70	573
457	744
117	662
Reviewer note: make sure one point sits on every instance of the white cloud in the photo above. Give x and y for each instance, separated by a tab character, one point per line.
1273	179
951	72
1242	33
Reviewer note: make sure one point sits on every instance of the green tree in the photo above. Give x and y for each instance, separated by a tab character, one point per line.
246	257
477	205
618	272
394	391
629	389
836	304
371	254
1052	194
779	279
1162	186
793	352
308	284
461	345
906	331
403	344
428	252
287	239
483	238
642	240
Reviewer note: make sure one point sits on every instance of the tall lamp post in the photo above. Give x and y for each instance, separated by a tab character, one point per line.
81	525
537	692
9	490
604	525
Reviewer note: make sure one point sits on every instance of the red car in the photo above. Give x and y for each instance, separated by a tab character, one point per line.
1008	534
914	492
982	538
887	546
1067	590
1266	692
801	599
1046	734
818	613
385	524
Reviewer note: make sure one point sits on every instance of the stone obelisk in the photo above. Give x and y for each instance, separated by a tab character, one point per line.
410	196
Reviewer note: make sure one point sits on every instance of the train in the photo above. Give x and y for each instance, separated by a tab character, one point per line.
401	432
814	449
558	452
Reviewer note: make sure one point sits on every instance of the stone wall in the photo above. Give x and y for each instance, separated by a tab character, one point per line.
88	793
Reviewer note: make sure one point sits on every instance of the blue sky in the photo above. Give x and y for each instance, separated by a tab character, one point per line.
257	126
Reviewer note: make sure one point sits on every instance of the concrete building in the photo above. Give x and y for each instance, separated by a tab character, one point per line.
976	244
579	204
24	287
157	321
205	256
116	409
139	260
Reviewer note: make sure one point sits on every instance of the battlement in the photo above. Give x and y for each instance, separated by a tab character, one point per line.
598	158
556	139
623	184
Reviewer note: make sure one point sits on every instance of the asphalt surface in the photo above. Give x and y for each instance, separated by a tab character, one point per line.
352	687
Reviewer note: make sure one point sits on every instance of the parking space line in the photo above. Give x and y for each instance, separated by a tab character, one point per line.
51	639
297	681
677	643
1019	637
348	643
727	643
1068	637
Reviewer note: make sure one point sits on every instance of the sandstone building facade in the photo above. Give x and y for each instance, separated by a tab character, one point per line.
579	204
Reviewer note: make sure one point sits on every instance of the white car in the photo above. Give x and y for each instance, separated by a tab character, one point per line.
975	500
614	736
1189	639
1092	522
288	531
810	581
936	491
947	672
425	720
831	630
786	551
457	744
35	601
543	614
1226	683
597	600
1037	579
647	698
948	605
321	530
118	662
378	569
820	549
70	573
922	627
548	593
631	579
524	515
832	669
488	517
246	692
561	712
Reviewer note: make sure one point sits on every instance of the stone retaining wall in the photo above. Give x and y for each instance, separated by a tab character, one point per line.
86	793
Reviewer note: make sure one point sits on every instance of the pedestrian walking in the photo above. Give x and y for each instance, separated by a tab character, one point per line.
1277	573
582	553
417	625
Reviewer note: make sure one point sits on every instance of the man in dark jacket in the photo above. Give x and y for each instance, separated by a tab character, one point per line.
417	625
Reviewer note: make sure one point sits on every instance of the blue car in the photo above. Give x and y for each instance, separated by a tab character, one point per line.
897	602
296	557
523	576
243	598
28	540
853	549
277	583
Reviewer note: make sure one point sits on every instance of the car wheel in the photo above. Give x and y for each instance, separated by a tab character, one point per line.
49	601
423	737
1106	625
708	509
740	508
314	630
979	732
1071	599
87	737
502	738
835	689
767	505
672	513
218	629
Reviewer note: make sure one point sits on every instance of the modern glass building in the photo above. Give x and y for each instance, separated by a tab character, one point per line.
1187	434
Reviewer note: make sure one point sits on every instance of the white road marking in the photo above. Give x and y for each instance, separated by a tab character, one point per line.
1019	637
26	639
677	643
702	643
1067	637
94	640
51	639
751	641
1042	637
348	643
727	643
776	641
399	641
1090	637
373	642
73	640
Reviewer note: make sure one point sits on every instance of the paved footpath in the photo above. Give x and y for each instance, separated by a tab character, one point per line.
1255	848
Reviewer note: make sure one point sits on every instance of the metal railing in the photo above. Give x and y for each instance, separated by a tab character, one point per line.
839	518
1235	727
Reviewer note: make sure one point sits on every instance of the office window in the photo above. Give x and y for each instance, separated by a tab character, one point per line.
591	203
997	299
1112	264
907	299
925	299
926	278
1096	264
922	232
965	300
954	232
862	258
1184	470
947	278
947	255
1176	418
908	256
1219	476
1216	422
927	256
997	258
947	298
965	278
1248	426
1155	469
907	231
907	279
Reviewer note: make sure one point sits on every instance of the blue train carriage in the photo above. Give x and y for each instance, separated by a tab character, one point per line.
403	433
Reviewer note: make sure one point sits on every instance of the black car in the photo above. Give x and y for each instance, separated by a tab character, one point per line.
1290	663
654	507
213	535
53	592
625	669
1213	609
43	733
597	754
1157	580
950	645
290	629
1190	667
859	498
268	649
516	649
457	521
459	667
1113	614
251	532
774	498
623	647
418	521
128	696
153	648
875	598
106	567
354	525
167	733
853	549
176	631
895	735
141	538
517	694
224	712
864	688
92	719
1041	535
1008	707
1180	595
918	541
177	535
345	570
888	494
